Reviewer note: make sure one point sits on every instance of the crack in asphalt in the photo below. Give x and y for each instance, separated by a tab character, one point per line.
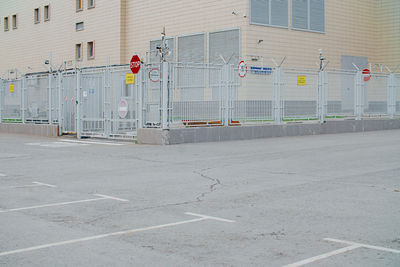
212	187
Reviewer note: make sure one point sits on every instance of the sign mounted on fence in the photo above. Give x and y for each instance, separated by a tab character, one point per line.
11	88
135	64
242	69
301	80
130	78
123	108
367	75
260	70
154	75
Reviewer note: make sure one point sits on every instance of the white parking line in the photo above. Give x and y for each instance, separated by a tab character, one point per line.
322	256
91	142
62	204
202	218
352	246
34	184
2	175
43	184
110	197
363	245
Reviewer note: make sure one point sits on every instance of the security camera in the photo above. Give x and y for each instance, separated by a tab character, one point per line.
47	62
158	47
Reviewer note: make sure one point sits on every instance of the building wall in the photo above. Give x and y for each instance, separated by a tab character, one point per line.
121	28
26	47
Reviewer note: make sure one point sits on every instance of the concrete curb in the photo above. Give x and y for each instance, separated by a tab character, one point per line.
214	134
44	130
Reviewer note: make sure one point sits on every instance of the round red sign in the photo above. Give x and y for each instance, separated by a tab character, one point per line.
123	108
135	64
367	75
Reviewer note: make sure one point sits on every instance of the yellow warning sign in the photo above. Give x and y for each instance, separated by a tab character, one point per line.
301	80
11	88
130	78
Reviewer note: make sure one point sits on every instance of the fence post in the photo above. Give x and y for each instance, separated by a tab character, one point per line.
108	100
78	104
277	97
60	103
49	98
321	96
139	98
164	97
23	97
359	96
2	86
225	95
391	102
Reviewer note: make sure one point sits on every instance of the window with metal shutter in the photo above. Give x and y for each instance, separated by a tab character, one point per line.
300	14
192	48
225	44
279	13
259	13
317	15
155	57
269	12
308	15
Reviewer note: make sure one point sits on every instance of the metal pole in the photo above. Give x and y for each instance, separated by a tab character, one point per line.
78	103
164	91
2	86
23	89
225	73
358	96
50	95
321	96
139	98
277	96
60	104
391	96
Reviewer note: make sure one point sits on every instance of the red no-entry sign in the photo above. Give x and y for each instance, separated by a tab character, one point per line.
135	64
367	75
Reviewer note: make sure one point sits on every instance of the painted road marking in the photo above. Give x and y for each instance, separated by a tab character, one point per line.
322	256
55	144
43	184
2	175
34	184
110	197
91	142
73	241
363	245
63	204
352	246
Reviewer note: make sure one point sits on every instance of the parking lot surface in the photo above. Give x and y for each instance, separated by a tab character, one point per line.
328	200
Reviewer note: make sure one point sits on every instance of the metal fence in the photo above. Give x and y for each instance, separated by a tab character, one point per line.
100	102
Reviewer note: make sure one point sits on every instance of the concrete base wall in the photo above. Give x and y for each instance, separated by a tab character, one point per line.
30	129
213	134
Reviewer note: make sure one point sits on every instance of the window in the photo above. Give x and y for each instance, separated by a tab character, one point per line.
269	12
79	5
46	13
225	44
79	26
36	15
14	21
90	50
78	52
308	15
6	26
90	3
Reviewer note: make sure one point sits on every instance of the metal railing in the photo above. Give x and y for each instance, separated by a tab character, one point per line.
100	102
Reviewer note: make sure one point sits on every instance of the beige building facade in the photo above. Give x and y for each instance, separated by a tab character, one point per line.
94	32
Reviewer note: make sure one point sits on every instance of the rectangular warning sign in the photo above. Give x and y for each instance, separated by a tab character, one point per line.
130	78
11	88
301	80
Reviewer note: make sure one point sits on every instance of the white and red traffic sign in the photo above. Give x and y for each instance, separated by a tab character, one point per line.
367	75
123	108
155	75
135	64
242	69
